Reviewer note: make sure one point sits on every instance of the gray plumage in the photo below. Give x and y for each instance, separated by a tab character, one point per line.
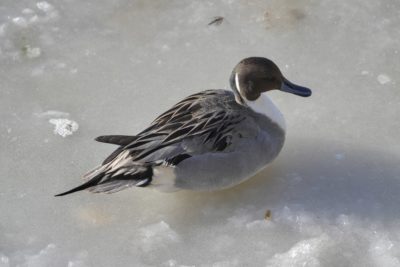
207	141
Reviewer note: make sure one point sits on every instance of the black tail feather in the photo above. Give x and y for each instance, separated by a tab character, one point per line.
84	186
102	182
121	140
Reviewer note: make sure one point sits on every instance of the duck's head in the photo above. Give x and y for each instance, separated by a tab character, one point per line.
256	75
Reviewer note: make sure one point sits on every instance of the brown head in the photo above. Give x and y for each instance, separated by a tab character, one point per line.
255	75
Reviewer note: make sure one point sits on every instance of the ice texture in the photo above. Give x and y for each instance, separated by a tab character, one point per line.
64	127
113	65
304	253
156	235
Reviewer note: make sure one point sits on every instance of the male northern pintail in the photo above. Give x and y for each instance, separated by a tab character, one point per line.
211	140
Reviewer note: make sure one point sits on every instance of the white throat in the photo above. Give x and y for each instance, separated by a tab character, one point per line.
264	105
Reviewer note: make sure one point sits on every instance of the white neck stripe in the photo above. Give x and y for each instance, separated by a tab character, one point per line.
237	82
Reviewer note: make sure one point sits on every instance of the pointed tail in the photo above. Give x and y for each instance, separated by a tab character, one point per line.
88	184
105	179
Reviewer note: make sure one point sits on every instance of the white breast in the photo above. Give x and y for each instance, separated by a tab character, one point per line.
265	106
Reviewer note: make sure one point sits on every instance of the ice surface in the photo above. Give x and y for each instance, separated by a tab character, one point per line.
112	66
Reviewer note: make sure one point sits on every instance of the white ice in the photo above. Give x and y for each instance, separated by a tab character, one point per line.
113	65
64	127
383	79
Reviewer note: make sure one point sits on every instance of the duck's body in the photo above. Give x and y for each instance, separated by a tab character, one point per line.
218	162
211	140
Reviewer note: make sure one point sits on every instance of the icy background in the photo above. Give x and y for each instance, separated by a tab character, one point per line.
72	70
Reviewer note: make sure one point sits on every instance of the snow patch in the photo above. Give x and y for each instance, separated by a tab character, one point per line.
44	6
20	21
383	79
64	127
303	253
364	72
383	252
43	258
157	235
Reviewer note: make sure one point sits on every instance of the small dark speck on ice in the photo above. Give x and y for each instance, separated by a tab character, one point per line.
268	215
216	21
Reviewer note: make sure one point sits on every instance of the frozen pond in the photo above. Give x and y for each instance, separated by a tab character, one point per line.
73	70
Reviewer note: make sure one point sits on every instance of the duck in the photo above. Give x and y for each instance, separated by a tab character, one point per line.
211	140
